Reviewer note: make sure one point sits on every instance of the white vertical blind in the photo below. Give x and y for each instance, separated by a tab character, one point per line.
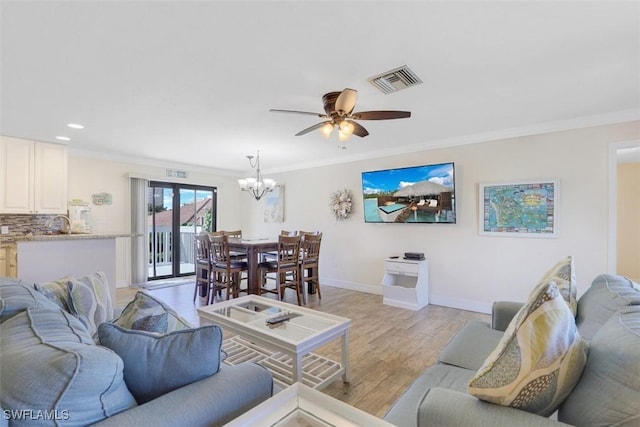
140	239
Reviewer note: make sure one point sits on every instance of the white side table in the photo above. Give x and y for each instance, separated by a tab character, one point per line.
406	283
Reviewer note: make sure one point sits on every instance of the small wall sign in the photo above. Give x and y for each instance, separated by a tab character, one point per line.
102	198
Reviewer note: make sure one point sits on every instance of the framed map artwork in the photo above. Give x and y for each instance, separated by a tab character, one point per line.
519	209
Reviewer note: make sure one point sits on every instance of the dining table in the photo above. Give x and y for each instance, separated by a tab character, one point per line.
253	247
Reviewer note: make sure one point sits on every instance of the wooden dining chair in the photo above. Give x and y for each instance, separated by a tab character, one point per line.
227	273
237	234
270	256
204	278
286	268
309	260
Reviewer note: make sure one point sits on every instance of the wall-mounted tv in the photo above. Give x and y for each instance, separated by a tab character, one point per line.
417	194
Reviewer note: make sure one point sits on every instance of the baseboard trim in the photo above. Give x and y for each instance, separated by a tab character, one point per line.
459	303
352	286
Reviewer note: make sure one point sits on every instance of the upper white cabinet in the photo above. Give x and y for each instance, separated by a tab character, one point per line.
34	177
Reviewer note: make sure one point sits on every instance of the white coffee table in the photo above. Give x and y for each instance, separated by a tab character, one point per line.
299	405
284	348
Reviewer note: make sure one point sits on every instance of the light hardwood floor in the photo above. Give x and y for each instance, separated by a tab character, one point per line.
389	347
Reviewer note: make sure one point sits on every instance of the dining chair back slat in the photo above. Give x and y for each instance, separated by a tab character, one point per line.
227	271
204	277
286	268
309	261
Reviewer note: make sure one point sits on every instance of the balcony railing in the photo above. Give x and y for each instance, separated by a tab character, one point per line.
161	248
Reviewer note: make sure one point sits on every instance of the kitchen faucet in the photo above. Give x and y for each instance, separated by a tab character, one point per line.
50	224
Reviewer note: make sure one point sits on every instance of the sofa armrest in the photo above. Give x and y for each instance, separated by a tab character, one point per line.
502	312
213	401
443	407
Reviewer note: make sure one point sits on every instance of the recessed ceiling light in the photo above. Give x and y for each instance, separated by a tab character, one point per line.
75	126
63	138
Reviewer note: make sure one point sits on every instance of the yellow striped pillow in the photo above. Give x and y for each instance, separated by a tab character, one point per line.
539	359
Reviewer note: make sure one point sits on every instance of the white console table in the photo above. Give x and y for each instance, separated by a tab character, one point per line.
405	283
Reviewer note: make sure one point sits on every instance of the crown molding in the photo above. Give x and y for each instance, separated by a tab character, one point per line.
517	132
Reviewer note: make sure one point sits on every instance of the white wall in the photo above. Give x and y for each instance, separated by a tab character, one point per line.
89	175
467	270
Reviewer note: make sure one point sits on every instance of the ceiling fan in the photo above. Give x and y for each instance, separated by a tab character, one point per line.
338	107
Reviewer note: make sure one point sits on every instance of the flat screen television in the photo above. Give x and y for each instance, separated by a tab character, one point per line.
416	194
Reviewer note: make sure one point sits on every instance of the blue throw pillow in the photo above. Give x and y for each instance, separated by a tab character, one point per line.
57	291
150	314
50	362
156	364
17	296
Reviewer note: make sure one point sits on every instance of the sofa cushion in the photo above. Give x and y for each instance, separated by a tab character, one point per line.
539	359
146	311
563	274
50	362
90	300
608	293
442	407
404	411
471	346
609	391
157	364
17	296
213	401
57	291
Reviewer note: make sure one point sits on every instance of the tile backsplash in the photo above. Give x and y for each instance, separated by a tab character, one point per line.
21	225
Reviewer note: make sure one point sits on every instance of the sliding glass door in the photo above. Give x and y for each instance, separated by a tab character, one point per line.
176	213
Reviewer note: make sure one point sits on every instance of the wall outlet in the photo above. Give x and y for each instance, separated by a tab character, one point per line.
4	229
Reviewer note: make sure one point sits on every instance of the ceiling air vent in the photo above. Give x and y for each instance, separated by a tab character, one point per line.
394	80
173	173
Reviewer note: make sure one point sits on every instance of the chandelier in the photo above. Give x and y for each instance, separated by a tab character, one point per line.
257	186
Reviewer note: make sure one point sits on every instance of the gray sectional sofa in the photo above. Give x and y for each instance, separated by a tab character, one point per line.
606	394
53	373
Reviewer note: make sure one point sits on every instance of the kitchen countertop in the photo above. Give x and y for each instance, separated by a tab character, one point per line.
56	237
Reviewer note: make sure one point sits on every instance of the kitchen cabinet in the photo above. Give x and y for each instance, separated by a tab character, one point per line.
8	260
34	177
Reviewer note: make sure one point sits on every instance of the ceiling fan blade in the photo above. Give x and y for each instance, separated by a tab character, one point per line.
323	116
346	102
381	115
312	128
358	129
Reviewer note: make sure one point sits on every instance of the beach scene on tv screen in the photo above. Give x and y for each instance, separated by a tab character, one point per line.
418	194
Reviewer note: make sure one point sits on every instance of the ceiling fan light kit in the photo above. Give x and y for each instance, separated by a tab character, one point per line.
327	129
338	107
257	186
345	130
